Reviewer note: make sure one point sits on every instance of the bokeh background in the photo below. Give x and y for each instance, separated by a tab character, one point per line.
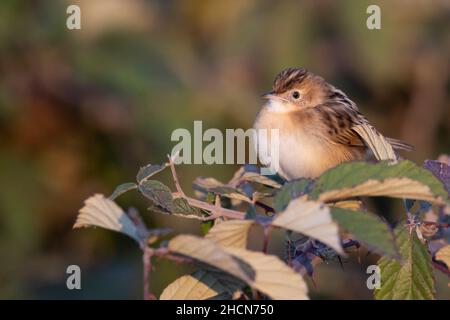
81	110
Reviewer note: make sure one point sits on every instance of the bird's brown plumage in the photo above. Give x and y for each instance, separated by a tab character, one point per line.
317	129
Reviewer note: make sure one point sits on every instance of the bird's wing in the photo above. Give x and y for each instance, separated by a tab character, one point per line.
339	120
348	126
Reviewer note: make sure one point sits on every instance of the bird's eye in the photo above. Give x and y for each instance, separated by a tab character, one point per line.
295	95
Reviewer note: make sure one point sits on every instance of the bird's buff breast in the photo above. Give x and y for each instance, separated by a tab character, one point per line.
304	150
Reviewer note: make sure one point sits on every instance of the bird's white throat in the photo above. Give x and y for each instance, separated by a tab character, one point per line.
277	106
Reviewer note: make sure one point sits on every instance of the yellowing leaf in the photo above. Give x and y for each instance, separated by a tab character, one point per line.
312	219
444	255
207	251
231	233
401	180
201	285
262	272
273	276
394	187
376	142
349	204
105	213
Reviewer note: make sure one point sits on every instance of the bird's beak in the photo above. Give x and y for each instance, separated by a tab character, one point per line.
273	96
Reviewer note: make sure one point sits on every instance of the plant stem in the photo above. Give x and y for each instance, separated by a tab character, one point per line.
147	265
216	210
175	177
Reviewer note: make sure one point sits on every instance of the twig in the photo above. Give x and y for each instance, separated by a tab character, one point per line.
217	201
218	204
147	255
147	265
165	253
215	210
175	178
140	226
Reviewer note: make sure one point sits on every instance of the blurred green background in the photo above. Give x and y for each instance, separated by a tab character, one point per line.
81	110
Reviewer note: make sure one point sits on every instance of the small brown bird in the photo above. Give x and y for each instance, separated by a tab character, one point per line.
316	124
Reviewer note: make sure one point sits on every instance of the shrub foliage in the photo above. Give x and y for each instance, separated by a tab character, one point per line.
323	218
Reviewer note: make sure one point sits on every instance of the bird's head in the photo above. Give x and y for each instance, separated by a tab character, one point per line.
295	89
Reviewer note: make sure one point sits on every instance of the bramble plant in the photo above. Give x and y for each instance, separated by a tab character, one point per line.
311	211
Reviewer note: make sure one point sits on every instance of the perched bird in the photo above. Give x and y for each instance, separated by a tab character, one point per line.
316	124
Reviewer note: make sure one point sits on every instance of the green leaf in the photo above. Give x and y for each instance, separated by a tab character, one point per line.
210	198
251	173
121	189
367	228
149	170
401	180
410	279
211	185
158	192
180	206
206	226
157	209
258	178
164	203
290	191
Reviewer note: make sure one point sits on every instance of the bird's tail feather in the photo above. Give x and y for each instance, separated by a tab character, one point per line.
400	145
